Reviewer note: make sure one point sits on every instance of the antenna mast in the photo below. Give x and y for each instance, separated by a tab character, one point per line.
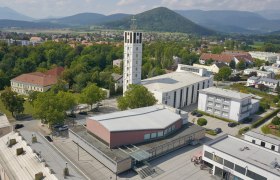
133	25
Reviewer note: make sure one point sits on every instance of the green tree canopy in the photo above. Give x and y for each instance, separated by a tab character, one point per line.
12	102
51	107
223	74
232	64
241	65
136	96
92	94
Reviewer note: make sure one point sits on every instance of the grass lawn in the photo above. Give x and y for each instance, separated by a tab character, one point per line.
28	109
267	130
257	44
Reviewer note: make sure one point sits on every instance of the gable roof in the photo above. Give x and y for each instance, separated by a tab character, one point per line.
217	57
146	118
220	65
41	79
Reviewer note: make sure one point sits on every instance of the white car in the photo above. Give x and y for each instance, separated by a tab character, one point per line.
63	128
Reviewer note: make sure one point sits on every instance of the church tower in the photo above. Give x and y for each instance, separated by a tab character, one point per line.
132	61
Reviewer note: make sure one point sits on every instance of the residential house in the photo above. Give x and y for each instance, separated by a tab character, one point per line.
265	56
275	69
36	81
256	81
227	104
267	74
214	68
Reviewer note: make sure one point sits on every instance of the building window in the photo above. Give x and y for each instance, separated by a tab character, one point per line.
173	127
208	155
273	147
192	94
225	107
263	144
187	93
209	109
253	175
240	169
217	112
228	164
160	134
181	97
147	136
137	55
136	48
254	141
225	114
153	135
217	105
174	102
218	159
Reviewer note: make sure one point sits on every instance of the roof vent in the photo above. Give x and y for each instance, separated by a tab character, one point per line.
244	148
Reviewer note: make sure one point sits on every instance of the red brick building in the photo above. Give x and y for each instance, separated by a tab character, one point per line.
134	126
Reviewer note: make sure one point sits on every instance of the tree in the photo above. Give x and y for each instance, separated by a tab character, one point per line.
276	120
232	64
136	96
223	74
241	65
201	121
51	107
12	102
32	97
92	94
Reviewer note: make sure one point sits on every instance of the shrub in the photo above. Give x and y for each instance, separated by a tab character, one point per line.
243	130
217	117
211	132
276	120
263	119
201	121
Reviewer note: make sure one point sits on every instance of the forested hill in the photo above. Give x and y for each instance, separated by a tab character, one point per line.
160	19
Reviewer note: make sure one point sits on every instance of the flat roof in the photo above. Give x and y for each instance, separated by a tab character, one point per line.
172	81
147	118
225	93
256	155
255	70
22	166
4	122
273	140
118	155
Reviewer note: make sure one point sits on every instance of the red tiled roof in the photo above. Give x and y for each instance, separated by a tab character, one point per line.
55	71
240	55
217	57
42	79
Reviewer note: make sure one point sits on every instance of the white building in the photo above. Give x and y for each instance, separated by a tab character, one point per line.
275	68
262	140
270	83
117	62
227	104
233	158
132	61
260	73
265	56
180	88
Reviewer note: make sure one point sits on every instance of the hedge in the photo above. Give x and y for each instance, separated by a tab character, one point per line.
211	132
263	119
243	130
211	115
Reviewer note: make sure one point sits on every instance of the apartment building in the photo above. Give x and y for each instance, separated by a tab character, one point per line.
256	81
227	104
267	74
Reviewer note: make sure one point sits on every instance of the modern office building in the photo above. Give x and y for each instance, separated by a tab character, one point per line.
132	61
262	140
180	88
226	103
233	158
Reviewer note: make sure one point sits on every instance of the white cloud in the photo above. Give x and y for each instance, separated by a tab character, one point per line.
126	2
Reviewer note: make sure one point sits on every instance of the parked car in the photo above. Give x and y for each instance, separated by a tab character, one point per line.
72	115
232	124
56	126
83	113
194	113
63	128
218	130
199	115
49	138
18	126
99	104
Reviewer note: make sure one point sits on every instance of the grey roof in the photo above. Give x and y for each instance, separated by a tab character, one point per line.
225	93
255	70
172	81
254	78
147	118
256	155
116	77
269	80
263	137
220	64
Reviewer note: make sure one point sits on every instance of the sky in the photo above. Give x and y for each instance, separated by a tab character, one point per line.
58	8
